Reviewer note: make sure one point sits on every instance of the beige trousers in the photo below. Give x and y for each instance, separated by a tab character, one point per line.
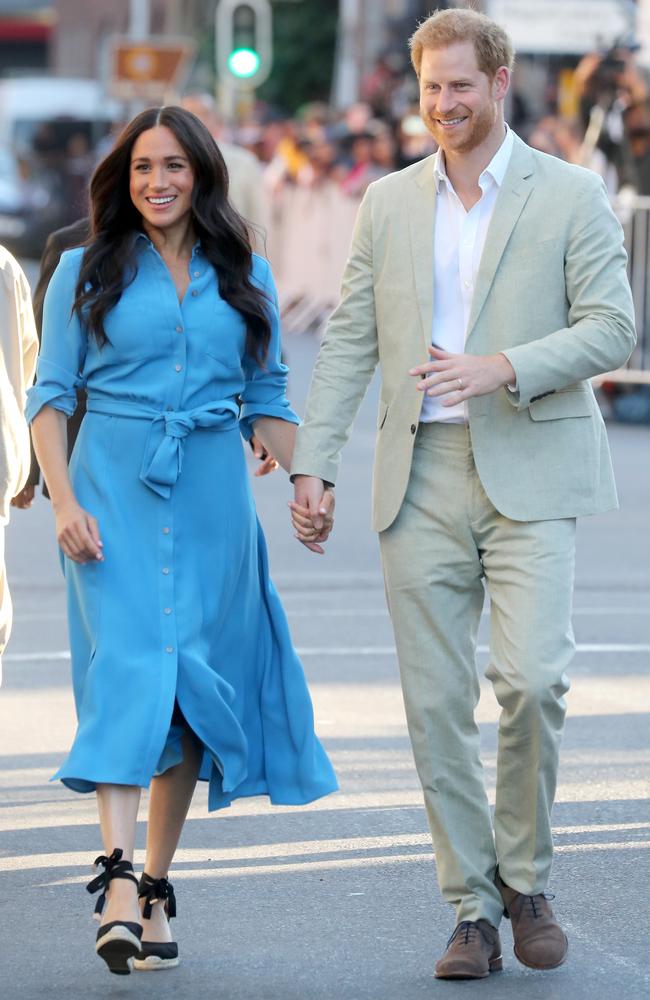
6	612
446	540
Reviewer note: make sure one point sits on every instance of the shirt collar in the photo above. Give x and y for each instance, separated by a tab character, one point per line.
496	168
140	236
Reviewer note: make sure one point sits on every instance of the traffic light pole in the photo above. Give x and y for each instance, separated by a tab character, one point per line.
139	19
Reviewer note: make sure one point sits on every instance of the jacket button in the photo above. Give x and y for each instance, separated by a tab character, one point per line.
413	428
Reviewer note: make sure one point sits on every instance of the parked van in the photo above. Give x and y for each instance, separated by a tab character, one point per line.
50	130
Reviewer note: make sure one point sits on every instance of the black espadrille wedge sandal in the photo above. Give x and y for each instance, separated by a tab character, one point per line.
155	955
118	942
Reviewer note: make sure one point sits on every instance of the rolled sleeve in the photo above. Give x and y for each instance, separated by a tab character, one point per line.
55	387
63	347
264	393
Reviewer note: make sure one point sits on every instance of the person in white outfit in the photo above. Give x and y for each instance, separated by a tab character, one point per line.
18	350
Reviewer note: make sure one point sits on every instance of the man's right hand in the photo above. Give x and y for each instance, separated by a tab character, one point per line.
312	512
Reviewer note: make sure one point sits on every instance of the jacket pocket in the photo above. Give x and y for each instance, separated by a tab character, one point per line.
382	414
568	403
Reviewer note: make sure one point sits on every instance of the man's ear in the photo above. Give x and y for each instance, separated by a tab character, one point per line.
501	83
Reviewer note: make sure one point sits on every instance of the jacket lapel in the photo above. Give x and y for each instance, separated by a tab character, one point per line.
421	211
514	193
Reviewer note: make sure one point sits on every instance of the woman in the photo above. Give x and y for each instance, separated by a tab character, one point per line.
182	662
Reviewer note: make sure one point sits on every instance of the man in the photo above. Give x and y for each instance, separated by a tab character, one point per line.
18	349
506	267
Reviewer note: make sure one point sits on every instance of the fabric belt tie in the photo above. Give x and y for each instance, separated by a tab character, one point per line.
163	452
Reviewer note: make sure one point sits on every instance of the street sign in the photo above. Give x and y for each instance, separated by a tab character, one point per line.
147	70
243	42
557	27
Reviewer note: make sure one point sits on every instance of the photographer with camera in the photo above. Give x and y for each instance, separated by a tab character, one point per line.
614	93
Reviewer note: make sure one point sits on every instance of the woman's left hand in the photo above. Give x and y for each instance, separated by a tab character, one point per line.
267	462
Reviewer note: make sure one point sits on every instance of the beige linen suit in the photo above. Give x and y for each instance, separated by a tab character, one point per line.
18	350
495	500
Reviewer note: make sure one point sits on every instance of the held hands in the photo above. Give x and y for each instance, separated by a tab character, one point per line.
457	377
77	533
312	512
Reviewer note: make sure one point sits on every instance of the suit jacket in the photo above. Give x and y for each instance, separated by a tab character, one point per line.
551	293
57	242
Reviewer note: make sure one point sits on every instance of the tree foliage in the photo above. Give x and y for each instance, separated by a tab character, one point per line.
304	43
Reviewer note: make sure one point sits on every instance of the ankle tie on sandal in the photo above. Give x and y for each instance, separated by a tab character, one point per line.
154	891
113	867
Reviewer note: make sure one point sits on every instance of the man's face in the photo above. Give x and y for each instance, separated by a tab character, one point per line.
459	104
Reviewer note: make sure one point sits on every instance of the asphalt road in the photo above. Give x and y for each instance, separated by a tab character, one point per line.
339	900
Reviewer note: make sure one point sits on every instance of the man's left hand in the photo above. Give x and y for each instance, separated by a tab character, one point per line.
458	377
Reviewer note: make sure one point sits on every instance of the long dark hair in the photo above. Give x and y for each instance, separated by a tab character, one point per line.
109	261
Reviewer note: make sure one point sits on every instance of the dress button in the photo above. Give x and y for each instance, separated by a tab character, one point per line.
165	571
194	293
178	368
197	274
413	428
167	611
169	649
165	531
179	329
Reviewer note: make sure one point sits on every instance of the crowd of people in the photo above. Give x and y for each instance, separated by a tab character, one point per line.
382	132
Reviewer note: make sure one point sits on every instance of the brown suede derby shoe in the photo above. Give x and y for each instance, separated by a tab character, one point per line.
473	952
540	942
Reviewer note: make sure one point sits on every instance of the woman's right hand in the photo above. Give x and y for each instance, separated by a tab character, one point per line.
77	533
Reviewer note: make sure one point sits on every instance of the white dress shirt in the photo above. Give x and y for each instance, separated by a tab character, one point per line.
459	238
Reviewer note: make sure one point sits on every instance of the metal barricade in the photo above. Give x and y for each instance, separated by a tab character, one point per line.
633	212
308	240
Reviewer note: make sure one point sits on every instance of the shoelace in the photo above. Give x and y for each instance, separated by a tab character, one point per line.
534	904
154	890
467	928
110	865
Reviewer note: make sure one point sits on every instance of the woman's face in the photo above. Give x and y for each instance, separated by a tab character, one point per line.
161	178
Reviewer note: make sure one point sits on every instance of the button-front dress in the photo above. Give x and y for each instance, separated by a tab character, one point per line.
182	610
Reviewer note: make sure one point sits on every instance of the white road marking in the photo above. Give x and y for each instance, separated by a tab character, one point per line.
581	647
381	612
288	853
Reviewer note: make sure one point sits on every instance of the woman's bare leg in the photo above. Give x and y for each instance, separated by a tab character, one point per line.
169	802
118	814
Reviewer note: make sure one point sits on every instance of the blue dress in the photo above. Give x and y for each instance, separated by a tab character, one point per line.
182	608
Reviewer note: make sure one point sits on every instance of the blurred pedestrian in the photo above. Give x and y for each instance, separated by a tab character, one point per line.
245	182
18	347
507	269
183	666
57	242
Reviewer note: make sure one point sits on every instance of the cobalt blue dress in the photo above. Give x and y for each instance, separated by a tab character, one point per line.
182	608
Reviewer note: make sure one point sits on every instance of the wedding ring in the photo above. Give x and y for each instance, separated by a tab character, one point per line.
460	383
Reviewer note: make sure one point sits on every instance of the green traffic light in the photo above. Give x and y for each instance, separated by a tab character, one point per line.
243	63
